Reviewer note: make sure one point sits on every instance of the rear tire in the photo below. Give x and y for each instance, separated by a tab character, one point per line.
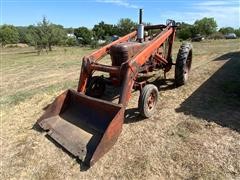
148	100
183	64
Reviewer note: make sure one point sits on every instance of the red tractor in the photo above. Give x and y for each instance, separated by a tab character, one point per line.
88	126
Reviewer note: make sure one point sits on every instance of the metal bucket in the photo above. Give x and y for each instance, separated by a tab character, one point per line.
87	127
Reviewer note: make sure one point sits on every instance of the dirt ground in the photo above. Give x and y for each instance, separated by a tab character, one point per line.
193	135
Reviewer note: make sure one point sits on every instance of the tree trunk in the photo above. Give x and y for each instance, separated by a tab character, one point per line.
50	47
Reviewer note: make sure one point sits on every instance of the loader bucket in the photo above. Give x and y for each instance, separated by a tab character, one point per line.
87	127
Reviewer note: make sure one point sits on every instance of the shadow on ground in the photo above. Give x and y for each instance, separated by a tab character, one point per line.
132	115
218	99
164	84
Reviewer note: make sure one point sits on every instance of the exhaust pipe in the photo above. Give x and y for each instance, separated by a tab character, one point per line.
140	30
140	15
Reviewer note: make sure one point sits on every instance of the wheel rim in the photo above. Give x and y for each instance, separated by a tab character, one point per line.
151	102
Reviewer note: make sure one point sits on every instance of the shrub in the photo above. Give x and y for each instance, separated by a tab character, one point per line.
216	35
71	41
94	44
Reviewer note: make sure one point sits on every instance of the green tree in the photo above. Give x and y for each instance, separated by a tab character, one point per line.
23	33
102	30
237	32
34	36
69	30
226	30
125	26
46	35
8	35
84	35
205	26
185	31
57	35
71	41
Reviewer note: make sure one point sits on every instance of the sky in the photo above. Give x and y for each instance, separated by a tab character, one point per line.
76	13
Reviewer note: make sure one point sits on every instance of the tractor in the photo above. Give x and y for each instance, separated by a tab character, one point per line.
87	125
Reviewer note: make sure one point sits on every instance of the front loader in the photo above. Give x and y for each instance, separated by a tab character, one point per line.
88	125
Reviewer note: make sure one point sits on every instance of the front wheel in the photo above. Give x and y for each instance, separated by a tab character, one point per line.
95	87
148	100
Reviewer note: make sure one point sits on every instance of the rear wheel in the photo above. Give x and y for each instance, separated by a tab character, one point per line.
148	100
95	87
183	64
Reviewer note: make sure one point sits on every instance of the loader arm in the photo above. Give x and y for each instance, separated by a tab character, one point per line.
97	55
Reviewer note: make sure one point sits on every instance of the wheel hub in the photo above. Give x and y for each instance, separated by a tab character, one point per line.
151	101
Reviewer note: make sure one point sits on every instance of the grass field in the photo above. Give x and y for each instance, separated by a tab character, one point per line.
193	135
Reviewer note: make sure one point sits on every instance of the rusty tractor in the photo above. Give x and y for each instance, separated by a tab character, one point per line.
88	126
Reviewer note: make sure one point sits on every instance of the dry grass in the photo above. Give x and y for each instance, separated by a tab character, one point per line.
193	135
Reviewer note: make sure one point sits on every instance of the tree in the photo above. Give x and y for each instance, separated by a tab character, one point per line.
23	32
102	30
71	41
226	30
205	26
34	36
84	35
237	32
69	30
46	34
185	31
99	31
8	35
125	26
57	35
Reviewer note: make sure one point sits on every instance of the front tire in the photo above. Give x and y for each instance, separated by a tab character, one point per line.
183	64
148	100
95	87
